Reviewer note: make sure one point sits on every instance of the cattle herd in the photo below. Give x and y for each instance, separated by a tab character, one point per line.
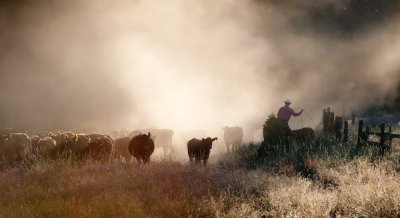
140	144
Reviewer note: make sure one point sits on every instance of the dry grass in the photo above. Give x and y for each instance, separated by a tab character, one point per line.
358	189
163	189
63	188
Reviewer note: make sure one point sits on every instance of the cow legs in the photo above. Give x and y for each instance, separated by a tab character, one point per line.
139	160
191	155
191	158
197	158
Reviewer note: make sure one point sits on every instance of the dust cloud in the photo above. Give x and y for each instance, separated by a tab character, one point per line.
191	64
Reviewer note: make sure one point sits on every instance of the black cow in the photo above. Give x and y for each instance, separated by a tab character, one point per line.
141	147
200	149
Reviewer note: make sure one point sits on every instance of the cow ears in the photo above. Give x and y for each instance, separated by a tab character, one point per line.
51	134
214	138
76	137
148	134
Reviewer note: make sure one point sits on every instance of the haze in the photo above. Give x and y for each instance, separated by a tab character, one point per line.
183	64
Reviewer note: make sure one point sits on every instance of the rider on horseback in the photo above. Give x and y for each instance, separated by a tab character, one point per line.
285	113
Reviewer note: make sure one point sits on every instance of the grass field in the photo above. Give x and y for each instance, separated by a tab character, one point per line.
323	180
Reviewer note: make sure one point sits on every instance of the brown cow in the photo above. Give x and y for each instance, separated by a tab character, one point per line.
43	145
14	146
69	145
200	149
141	147
60	138
77	143
99	149
303	134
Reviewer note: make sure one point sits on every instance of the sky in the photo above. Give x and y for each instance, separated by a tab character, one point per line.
186	64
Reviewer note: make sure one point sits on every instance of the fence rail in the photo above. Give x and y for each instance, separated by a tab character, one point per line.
384	137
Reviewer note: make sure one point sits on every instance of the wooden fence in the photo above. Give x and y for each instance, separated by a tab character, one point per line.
384	137
333	125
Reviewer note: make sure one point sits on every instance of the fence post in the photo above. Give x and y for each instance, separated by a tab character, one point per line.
360	128
390	136
337	127
383	137
331	122
353	118
324	120
346	132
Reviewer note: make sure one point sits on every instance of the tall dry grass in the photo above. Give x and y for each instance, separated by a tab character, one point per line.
163	189
225	188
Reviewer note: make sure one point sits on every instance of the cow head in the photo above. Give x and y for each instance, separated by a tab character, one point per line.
208	141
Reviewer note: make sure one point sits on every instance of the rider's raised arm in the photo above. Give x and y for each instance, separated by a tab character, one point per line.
294	113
